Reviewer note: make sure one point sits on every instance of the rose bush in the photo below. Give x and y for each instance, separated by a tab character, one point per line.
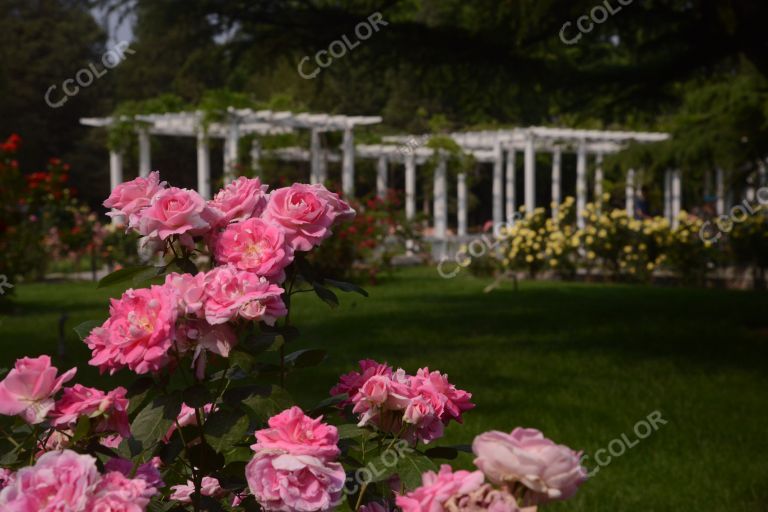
207	423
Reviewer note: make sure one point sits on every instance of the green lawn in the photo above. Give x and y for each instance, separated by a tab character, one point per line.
582	362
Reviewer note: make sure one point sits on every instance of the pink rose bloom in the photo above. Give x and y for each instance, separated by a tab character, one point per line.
190	291
378	393
437	488
139	332
422	416
199	337
485	499
130	198
305	216
294	432
59	481
295	483
340	209
110	408
233	293
209	487
242	199
29	387
552	471
149	471
176	211
187	416
6	477
255	245
449	402
350	383
118	493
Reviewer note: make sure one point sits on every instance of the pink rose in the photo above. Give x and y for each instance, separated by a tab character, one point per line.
59	481
449	402
377	394
255	245
240	200
294	432
186	417
176	211
552	471
6	477
305	216
351	382
199	337
422	416
294	483
340	209
139	332
149	471
209	487
131	197
233	293
111	409
29	387
118	493
438	488
190	291
485	498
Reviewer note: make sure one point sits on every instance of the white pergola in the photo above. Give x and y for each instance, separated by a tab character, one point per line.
496	147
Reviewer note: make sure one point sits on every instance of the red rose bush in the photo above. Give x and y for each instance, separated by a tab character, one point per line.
206	423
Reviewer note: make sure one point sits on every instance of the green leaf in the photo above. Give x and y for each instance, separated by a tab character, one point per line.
411	466
350	431
346	287
185	266
326	295
261	407
85	328
155	419
256	344
442	452
205	458
137	275
223	429
328	404
81	429
197	396
306	358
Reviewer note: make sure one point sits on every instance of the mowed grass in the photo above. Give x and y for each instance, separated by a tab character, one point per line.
582	362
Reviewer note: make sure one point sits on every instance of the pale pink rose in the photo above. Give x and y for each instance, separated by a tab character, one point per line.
149	471
176	211
341	210
350	383
6	477
240	200
139	332
552	471
190	291
209	487
200	338
438	488
187	416
130	198
29	387
111	409
484	499
236	293
448	402
255	245
59	481
294	432
118	493
295	483
54	440
377	394
422	416
305	216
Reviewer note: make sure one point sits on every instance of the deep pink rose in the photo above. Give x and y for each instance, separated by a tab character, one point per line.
176	211
305	216
59	481
130	198
236	293
350	383
240	200
449	402
255	245
139	332
29	387
111	409
294	483
437	488
552	471
118	493
294	432
209	487
190	291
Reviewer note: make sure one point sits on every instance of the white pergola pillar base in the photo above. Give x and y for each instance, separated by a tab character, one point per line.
498	176
144	153
510	186
440	200
461	189
598	179
410	186
115	176
230	153
556	181
676	197
530	175
314	156
381	176
581	184
203	166
348	164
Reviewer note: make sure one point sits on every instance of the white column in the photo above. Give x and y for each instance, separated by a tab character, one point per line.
509	191
410	185
203	165
720	191
314	156
440	200
629	193
581	183
144	149
230	152
381	176
348	163
668	195
498	171
461	189
530	175
598	179
256	155
322	168
677	196
115	168
556	179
